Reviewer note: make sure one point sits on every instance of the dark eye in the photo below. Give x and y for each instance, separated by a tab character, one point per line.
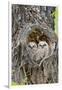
31	46
44	45
40	45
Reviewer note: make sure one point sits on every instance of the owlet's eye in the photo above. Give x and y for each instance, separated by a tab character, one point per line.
44	45
40	45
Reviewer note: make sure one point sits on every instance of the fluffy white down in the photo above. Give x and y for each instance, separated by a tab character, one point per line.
38	51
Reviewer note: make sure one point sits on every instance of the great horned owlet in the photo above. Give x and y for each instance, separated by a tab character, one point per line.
32	49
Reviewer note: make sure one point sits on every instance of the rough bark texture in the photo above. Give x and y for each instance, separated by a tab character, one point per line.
23	19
